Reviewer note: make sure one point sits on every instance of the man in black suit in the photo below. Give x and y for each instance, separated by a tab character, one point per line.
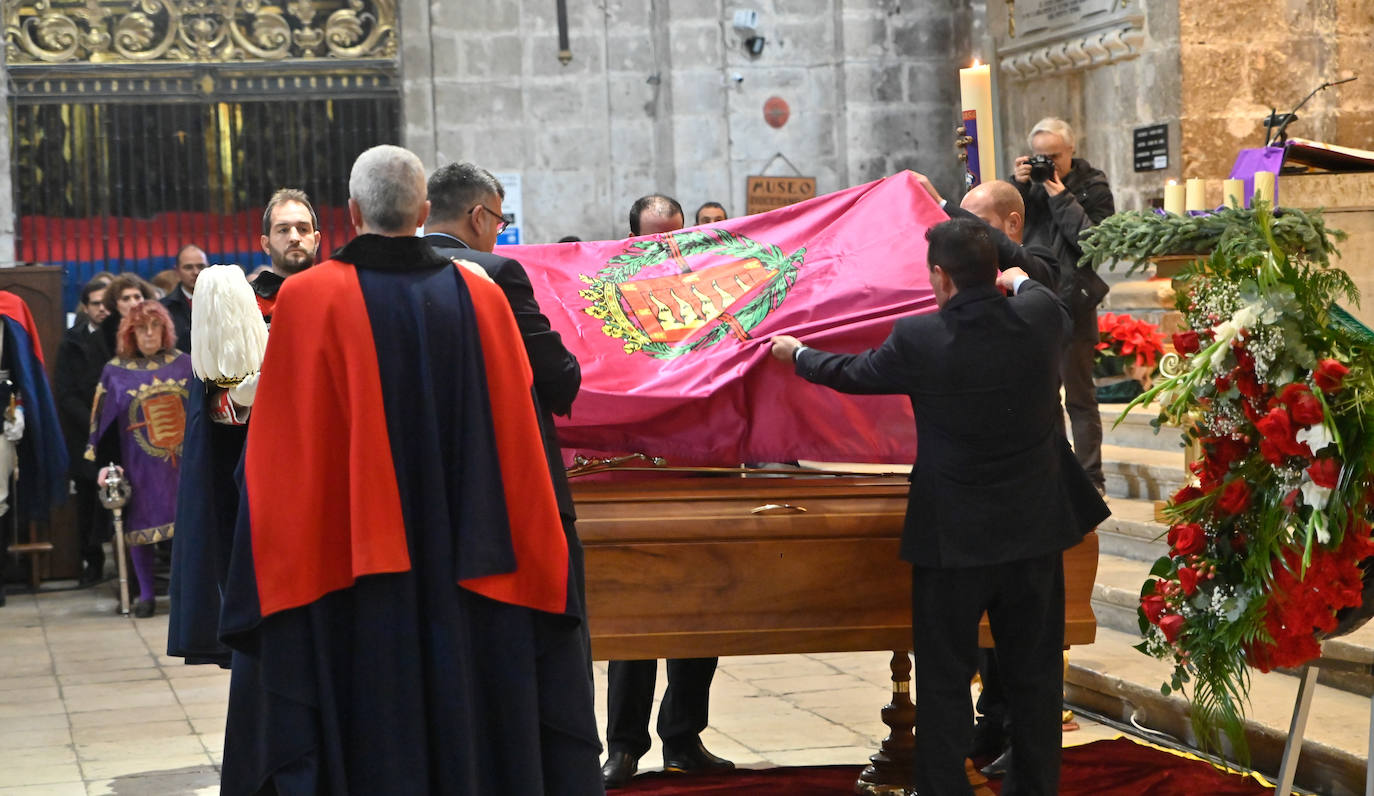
81	357
190	262
464	221
996	496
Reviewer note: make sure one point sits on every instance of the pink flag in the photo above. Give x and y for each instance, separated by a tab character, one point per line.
672	330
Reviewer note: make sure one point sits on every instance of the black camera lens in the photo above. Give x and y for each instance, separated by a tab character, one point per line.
1041	168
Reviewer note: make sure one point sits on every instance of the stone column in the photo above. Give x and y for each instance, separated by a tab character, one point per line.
7	252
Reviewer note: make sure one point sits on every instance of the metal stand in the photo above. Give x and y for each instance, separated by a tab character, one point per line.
114	493
1302	708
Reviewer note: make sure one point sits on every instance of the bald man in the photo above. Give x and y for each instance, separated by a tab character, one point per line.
1004	213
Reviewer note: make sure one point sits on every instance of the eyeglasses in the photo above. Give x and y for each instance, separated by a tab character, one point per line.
505	220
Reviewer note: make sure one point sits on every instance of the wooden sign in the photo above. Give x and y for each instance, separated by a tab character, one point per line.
769	193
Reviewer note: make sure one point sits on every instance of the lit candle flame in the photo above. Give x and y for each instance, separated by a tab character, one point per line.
976	63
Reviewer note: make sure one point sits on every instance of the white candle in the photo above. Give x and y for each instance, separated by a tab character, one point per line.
1234	191
1173	198
1264	186
975	94
1195	192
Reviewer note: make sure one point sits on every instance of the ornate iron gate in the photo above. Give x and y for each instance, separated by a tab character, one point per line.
138	127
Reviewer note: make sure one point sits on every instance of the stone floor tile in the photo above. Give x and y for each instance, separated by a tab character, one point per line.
97	718
199	691
825	756
145	672
75	788
798	667
788	686
209	725
25	665
16	776
37	756
103	664
205	710
16	733
143	730
141	766
36	693
28	681
103	696
864	694
21	710
179	670
34	738
190	781
132	745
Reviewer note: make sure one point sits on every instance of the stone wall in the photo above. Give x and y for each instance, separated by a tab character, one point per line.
6	190
1230	81
1104	103
661	96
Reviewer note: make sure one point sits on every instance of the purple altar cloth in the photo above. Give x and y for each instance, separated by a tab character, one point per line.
1249	161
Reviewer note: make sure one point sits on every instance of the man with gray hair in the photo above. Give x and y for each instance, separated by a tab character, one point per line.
399	576
1064	197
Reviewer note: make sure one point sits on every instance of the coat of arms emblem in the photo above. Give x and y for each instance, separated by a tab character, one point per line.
701	286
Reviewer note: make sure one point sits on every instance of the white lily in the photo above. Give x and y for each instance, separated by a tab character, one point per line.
1315	437
1313	495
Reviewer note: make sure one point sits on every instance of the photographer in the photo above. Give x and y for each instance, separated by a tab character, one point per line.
1064	196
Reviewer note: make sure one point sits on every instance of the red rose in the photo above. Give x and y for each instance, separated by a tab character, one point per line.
1278	429
1270	452
1186	494
1187	539
1290	500
1172	625
1223	383
1226	450
1325	472
1235	496
1187	578
1153	606
1305	408
1248	385
1329	375
1186	342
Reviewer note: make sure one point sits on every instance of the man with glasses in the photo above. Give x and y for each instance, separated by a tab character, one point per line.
464	220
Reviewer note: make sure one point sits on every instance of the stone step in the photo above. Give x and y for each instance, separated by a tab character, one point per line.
1142	473
1132	532
1133	430
1111	679
1116	593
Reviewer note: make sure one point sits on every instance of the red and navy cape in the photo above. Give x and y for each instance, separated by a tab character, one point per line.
398	586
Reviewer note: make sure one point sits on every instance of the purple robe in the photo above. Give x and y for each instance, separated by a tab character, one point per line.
145	399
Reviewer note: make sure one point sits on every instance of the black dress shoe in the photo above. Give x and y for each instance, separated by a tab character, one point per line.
998	767
143	609
693	759
619	769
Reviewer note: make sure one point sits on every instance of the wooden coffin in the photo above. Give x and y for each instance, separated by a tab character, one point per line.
703	566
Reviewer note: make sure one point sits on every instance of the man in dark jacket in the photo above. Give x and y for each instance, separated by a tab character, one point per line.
996	497
81	357
190	262
464	221
1058	210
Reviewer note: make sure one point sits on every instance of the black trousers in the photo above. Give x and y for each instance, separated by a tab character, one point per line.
1025	605
630	698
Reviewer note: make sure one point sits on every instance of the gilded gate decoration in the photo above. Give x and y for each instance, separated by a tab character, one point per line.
187	31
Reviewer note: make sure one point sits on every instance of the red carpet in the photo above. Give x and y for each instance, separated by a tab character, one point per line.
1117	767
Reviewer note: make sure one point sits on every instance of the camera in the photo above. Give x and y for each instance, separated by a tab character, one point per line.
1042	168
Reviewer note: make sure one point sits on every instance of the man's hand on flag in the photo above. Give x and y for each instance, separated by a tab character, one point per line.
1007	279
784	347
925	183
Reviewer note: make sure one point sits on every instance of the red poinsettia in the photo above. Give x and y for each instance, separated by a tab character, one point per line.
1126	337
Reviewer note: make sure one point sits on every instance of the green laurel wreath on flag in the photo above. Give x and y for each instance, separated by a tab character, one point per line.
603	290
